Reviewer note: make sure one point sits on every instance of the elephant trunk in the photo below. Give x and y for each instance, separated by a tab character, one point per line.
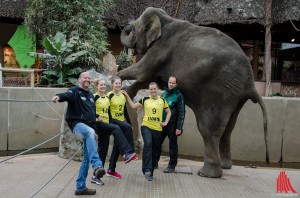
127	37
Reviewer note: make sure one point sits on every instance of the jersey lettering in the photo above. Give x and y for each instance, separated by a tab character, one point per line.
119	114
156	119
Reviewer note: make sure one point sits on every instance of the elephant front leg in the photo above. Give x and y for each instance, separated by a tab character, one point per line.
212	162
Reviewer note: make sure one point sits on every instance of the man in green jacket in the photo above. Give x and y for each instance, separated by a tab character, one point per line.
175	100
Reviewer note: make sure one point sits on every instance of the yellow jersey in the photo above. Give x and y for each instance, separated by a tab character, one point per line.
153	112
102	106
117	105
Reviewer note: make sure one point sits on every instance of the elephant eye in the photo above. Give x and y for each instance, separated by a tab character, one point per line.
133	29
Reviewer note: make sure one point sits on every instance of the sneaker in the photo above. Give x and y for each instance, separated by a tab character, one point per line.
113	174
128	157
147	175
169	170
99	172
134	158
97	181
150	178
85	191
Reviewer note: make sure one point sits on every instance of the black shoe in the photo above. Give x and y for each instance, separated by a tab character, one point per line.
86	191
169	170
99	172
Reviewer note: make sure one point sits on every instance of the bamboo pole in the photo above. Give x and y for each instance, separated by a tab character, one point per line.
268	44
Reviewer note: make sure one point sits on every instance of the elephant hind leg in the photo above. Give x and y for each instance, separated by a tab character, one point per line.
212	126
212	166
225	152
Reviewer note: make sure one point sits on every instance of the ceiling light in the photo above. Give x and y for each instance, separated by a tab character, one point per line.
292	40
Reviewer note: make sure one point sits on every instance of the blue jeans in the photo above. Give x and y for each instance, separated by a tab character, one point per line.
151	149
90	154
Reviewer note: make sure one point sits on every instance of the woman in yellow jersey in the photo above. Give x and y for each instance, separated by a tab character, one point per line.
151	127
105	129
119	116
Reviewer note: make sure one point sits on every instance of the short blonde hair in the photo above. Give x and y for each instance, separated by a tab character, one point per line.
96	82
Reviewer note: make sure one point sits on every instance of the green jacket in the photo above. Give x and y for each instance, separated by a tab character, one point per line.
175	101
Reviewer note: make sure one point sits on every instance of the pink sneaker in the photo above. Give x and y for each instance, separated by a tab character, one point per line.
134	158
113	174
130	157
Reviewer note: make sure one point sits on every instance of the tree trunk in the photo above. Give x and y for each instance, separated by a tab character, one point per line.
268	44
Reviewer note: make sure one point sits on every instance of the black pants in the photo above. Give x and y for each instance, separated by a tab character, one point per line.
104	131
170	131
151	151
128	134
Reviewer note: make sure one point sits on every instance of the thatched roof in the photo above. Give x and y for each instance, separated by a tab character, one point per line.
284	10
200	12
205	12
13	8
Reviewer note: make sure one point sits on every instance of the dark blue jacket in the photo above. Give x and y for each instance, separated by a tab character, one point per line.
81	107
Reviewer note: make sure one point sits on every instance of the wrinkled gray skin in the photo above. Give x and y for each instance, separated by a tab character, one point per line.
213	73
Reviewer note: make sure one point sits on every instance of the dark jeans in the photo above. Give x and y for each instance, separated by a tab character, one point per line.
170	131
128	134
151	149
104	131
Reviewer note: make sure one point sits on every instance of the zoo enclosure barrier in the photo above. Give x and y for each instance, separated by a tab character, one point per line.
18	77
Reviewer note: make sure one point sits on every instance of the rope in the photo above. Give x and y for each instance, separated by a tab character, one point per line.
294	26
55	174
47	102
40	116
17	100
26	151
8	132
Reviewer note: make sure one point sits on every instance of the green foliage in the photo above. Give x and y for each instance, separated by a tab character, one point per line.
60	57
83	16
277	94
123	60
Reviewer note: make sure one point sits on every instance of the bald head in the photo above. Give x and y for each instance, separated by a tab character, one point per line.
84	80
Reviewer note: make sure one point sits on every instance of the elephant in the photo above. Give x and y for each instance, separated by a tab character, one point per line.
212	71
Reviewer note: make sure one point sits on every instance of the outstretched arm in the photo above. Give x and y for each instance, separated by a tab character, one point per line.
130	102
55	99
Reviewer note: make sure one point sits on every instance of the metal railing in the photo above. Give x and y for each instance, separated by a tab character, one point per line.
20	80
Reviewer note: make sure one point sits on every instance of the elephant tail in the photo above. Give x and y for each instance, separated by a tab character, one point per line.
258	99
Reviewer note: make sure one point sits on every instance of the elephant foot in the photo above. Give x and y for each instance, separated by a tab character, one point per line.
226	163
210	172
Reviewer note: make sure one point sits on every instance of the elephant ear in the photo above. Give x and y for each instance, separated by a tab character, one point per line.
153	29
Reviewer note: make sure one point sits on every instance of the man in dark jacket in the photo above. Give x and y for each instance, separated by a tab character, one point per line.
81	118
175	101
